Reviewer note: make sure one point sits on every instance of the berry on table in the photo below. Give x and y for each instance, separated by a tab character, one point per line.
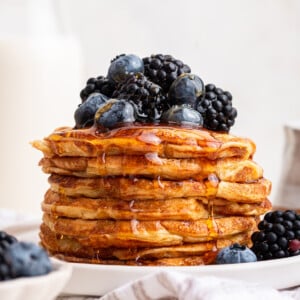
234	254
85	113
164	69
123	65
278	235
216	109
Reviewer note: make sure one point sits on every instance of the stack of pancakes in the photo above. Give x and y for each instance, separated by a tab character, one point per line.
149	195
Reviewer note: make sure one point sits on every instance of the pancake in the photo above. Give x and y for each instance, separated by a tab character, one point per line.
135	233
71	246
135	188
165	141
168	209
152	166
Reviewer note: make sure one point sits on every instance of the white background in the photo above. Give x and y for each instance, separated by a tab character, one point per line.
249	47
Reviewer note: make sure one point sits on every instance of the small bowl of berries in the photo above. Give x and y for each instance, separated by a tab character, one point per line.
26	271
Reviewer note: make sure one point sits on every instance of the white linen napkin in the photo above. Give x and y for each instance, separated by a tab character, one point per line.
172	285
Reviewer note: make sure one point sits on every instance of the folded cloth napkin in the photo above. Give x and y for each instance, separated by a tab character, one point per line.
172	285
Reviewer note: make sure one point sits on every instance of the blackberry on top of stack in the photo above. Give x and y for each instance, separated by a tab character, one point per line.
149	174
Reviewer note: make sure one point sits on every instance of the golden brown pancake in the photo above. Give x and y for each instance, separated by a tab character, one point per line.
57	243
157	189
165	141
152	166
135	233
168	209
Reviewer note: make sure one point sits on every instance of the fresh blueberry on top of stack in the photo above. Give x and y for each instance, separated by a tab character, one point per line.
85	113
114	112
161	89
278	235
18	259
124	65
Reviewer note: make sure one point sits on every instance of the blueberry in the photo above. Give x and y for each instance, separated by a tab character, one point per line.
181	114
85	113
187	89
114	112
27	259
124	65
235	254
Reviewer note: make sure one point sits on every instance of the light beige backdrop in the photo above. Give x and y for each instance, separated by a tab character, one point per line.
250	47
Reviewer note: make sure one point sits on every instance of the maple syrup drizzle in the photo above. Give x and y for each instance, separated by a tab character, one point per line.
213	230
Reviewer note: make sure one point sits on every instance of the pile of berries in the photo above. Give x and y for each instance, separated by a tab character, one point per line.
21	259
278	235
159	89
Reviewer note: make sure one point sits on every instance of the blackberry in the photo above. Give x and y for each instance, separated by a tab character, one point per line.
99	84
148	98
164	69
216	109
278	235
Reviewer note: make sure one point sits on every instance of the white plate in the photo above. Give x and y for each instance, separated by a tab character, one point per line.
90	279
